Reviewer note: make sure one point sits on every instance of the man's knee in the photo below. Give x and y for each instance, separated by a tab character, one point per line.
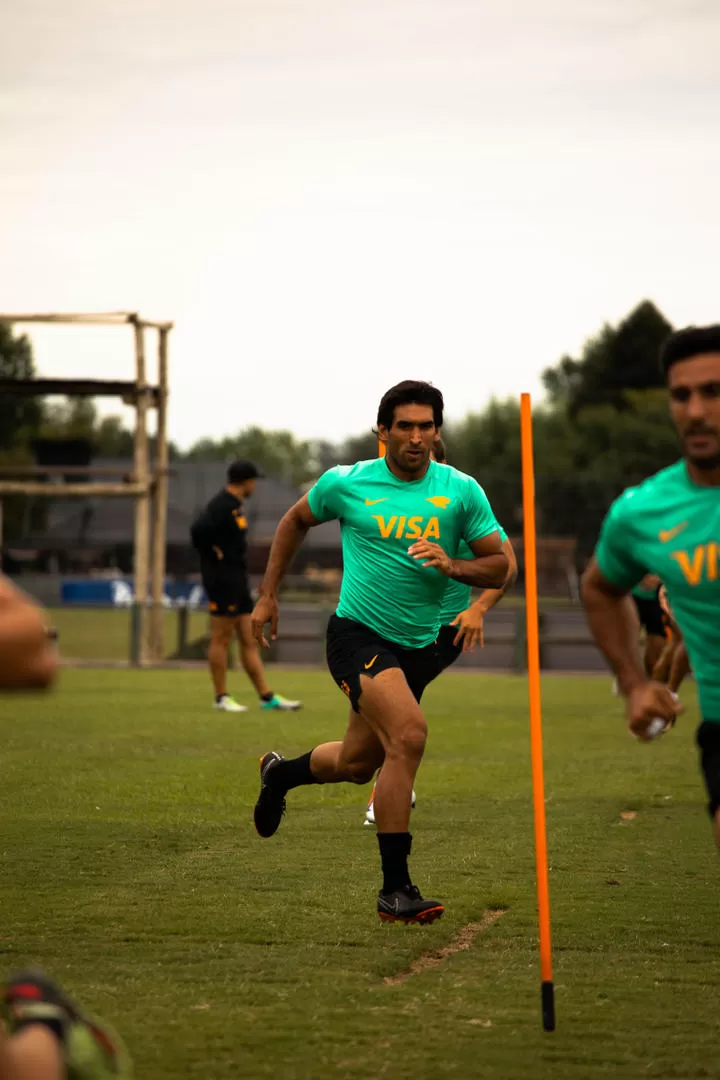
248	648
408	739
361	772
220	634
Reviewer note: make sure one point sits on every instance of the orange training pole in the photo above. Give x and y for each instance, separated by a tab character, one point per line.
381	449
536	750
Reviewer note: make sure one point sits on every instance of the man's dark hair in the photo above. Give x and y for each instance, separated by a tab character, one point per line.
439	451
410	392
240	471
692	341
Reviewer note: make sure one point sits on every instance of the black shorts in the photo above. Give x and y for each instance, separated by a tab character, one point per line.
652	616
228	594
447	652
354	650
708	740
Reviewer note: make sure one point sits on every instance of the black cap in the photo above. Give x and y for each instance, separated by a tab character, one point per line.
239	471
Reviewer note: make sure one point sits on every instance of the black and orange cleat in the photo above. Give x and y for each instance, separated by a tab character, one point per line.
270	805
91	1049
406	905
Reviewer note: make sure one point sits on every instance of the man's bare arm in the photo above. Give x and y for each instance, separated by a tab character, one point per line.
470	623
613	621
289	535
488	598
614	625
28	658
488	569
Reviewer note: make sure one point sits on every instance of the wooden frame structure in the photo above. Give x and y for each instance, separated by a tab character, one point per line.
148	483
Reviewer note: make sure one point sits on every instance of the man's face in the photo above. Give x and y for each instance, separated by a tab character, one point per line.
244	489
694	386
409	441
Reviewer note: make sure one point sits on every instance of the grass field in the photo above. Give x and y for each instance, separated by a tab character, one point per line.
98	633
131	870
104	633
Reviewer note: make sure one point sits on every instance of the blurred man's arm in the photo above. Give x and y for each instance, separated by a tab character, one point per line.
28	657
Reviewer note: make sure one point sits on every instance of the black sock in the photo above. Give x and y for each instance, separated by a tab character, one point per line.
267	697
219	697
394	851
293	773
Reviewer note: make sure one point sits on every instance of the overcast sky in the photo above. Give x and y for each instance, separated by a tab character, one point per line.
327	196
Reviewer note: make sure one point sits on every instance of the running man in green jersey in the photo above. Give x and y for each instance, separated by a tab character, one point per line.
461	622
401	516
670	525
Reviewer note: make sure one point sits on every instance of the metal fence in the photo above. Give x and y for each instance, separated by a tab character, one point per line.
102	634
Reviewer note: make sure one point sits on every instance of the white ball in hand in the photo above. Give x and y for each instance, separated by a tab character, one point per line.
656	727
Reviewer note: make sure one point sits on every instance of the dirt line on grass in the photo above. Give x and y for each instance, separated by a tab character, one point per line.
461	942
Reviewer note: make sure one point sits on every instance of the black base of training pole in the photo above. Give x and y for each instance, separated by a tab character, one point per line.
547	992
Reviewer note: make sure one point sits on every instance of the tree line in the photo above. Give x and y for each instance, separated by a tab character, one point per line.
603	425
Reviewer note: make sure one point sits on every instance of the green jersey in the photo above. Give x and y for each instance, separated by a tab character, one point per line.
457	595
670	526
380	517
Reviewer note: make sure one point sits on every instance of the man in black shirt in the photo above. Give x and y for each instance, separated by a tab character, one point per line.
220	537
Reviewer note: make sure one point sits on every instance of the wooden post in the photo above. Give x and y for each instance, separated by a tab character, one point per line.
183	620
159	533
142	502
520	641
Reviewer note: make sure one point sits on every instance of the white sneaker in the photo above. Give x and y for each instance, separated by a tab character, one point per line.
229	704
277	701
370	812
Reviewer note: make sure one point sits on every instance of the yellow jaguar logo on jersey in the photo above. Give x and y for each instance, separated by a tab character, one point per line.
413	528
439	500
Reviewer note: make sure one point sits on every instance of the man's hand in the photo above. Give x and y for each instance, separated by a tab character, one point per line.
661	671
266	610
648	701
433	555
679	668
470	627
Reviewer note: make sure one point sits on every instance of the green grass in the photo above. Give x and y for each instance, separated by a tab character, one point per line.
130	869
104	633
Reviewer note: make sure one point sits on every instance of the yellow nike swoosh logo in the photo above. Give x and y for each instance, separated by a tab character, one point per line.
371	502
367	666
669	534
